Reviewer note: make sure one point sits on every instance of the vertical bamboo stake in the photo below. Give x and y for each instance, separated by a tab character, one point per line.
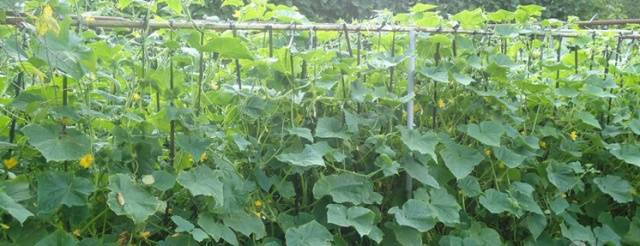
558	53
200	74
172	123
14	121
593	50
145	33
344	85
436	57
270	41
410	92
392	69
17	87
618	46
237	62
575	58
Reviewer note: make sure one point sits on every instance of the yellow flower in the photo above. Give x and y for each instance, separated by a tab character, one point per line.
258	214
89	19
258	203
542	144
86	161
441	104
487	152
10	163
573	135
5	226
203	157
136	97
76	232
215	86
145	235
47	22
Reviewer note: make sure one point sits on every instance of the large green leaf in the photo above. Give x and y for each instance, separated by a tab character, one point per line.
419	172
347	187
202	180
439	74
301	132
415	214
423	212
509	157
522	193
589	119
422	143
128	198
55	144
497	202
576	232
245	223
65	52
460	159
57	188
616	187
310	156
518	200
362	219
535	223
215	229
58	238
229	47
562	175
330	128
487	132
634	125
14	208
470	186
630	153
309	234
193	144
470	19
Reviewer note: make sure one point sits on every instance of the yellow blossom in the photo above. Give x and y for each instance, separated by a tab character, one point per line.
204	157
487	152
5	226
47	22
89	19
10	163
542	144
441	104
258	214
76	232
136	97
573	135
145	235
258	203
87	161
215	86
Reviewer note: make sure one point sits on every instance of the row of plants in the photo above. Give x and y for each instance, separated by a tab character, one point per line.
118	136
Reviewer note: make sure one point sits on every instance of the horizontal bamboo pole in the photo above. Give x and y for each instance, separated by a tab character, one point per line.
117	22
609	22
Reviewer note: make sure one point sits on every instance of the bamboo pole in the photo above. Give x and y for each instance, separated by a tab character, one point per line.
410	91
116	22
608	22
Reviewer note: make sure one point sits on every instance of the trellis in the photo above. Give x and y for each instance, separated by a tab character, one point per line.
200	25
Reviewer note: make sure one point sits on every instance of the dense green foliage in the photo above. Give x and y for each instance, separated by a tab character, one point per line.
331	10
186	137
